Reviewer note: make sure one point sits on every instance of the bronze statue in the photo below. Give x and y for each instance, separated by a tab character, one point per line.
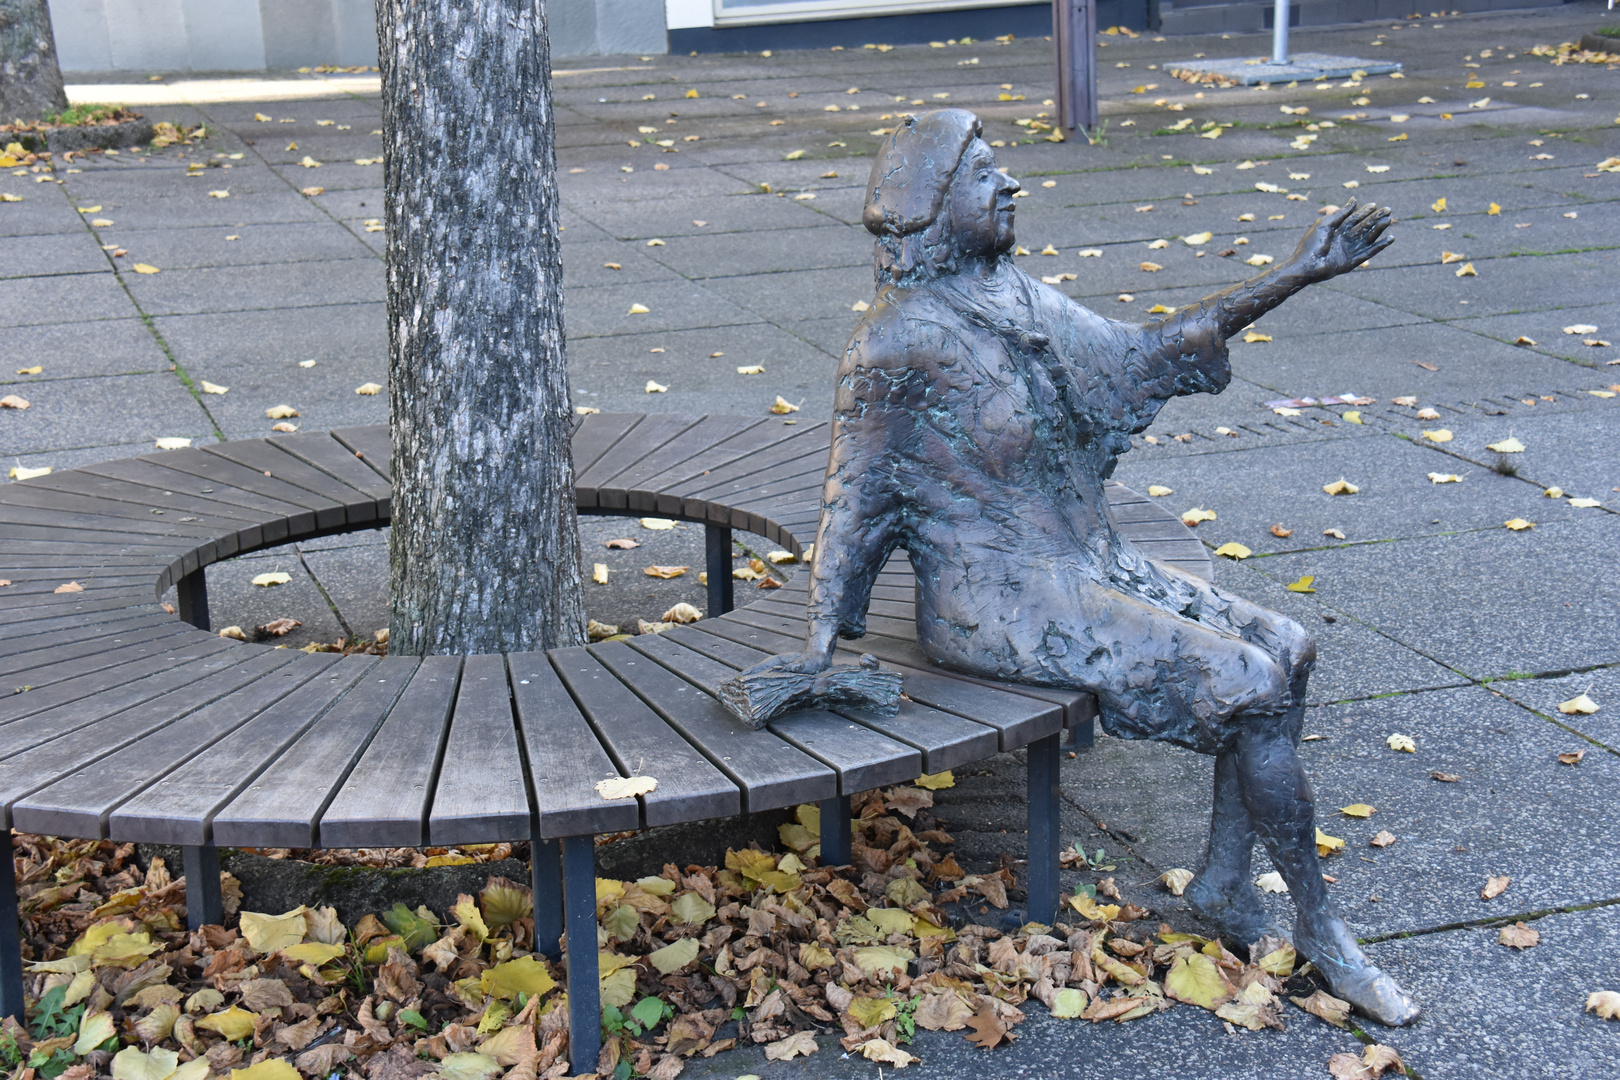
978	413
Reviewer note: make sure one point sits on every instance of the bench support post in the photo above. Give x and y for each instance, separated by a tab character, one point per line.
584	989
1044	810
11	984
204	904
191	592
545	868
717	541
835	825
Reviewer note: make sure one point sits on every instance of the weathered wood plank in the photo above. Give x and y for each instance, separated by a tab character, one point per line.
671	487
630	488
134	646
647	440
481	796
384	801
265	456
597	434
222	473
371	444
321	450
565	758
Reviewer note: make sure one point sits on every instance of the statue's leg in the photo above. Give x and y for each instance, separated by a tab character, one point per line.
1280	804
1221	893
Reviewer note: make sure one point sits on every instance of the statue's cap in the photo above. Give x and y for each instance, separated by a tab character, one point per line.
913	170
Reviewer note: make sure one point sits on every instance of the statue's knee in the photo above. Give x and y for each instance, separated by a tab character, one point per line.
1257	684
1297	644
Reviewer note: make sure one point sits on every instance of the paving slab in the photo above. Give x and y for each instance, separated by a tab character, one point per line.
76	349
93	411
255	288
268	345
33	301
1600	685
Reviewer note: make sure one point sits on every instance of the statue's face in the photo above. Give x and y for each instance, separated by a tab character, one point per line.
980	203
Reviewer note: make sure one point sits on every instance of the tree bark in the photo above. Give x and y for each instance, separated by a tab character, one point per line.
30	80
485	549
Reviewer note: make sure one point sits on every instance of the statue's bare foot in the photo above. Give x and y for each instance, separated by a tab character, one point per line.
1231	907
1353	978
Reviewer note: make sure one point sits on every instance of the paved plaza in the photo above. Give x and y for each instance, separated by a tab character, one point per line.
723	195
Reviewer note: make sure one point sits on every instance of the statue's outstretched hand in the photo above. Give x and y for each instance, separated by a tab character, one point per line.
1344	239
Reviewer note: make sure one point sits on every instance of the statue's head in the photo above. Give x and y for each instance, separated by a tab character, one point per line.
936	198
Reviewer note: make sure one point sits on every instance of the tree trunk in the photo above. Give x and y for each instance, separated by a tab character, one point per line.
485	549
30	80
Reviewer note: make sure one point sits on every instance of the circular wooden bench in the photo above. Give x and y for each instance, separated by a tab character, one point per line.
119	720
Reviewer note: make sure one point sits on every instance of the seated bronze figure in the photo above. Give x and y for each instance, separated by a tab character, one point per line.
978	413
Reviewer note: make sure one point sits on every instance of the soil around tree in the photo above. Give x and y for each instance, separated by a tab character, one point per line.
83	127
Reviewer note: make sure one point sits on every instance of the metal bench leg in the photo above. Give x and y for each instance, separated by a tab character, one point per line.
584	988
717	541
1044	804
204	904
545	867
11	984
192	593
835	831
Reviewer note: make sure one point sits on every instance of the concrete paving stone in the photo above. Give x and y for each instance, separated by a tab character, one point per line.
1254	488
74	350
35	301
1413	200
830	335
254	245
584	264
233	599
644	219
1524	282
693	182
1546	329
250	288
675	305
1319	309
575	229
354	578
94	411
1483	235
1540	608
1572	450
73	458
43	211
1481	1000
785	250
352	206
1601	685
323	395
1386	365
150	201
334	173
798	295
269	345
53	255
331	148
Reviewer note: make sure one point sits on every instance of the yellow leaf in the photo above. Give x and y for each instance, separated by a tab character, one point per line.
1585	503
312	191
872	1011
1151	267
1578	704
1278	962
619	787
936	781
1507	446
793	155
884	1051
599	573
130	1064
638	309
145	268
1358	810
671	958
692	93
1272	883
1159	490
1088	253
525	975
1195	979
1397	741
471	1066
752	369
1467	270
279	577
1049	250
312	952
1444	478
792	1046
782	406
1606	1003
1439	206
280	412
1259	260
891	920
309	162
1518	524
1177	880
233	1023
1197	514
1352	417
657	524
1092	910
1197	238
1438	435
691	909
1495	209
1340	487
1303	585
882	961
12	401
214	388
1233	551
656	388
369	389
21	472
1156	245
270	933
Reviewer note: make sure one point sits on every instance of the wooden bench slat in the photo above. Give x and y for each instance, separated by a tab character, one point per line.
805	447
646	441
481	796
860	757
58	508
222	472
565	758
72	610
630	488
596	435
770	772
114	494
327	454
140	644
79	804
64	645
70	739
283	804
671	487
272	519
384	801
15	646
264	456
14	704
371	444
641	744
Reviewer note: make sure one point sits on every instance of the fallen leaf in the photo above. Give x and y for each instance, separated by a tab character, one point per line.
214	388
1518	524
233	1023
622	544
599	573
145	268
279	577
280	627
752	369
1522	340
1327	845
1161	309
1580	703
1467	270
657	524
369	389
1519	936
656	388
233	632
1509	445
1606	1003
285	427
1259	260
1444	478
682	613
1337	534
800	1043
782	406
1326	1007
1192	517
1306	584
1580	328
1585	503
944	1012
1197	238
1176	880
639	309
1151	267
1358	810
280	412
1495	887
673	957
1405	743
1341	487
1439	435
1439	206
1233	550
619	787
989	1030
883	1051
1159	490
1272	883
1444	777
666	571
1254	336
69	587
936	781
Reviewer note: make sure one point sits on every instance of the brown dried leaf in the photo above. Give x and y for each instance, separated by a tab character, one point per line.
1519	936
802	1043
1325	1006
988	1029
1495	887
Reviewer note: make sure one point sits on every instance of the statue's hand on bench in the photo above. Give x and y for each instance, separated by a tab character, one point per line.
1343	240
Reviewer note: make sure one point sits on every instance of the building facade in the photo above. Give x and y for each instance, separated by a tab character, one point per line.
149	36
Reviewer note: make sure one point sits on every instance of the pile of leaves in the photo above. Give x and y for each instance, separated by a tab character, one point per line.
77	116
1570	52
771	949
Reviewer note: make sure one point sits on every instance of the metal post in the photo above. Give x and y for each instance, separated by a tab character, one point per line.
1279	33
11	984
545	869
191	592
835	831
1074	36
204	904
717	540
584	987
1044	807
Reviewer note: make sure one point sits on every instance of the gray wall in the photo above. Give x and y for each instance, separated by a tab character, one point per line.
252	35
1242	16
